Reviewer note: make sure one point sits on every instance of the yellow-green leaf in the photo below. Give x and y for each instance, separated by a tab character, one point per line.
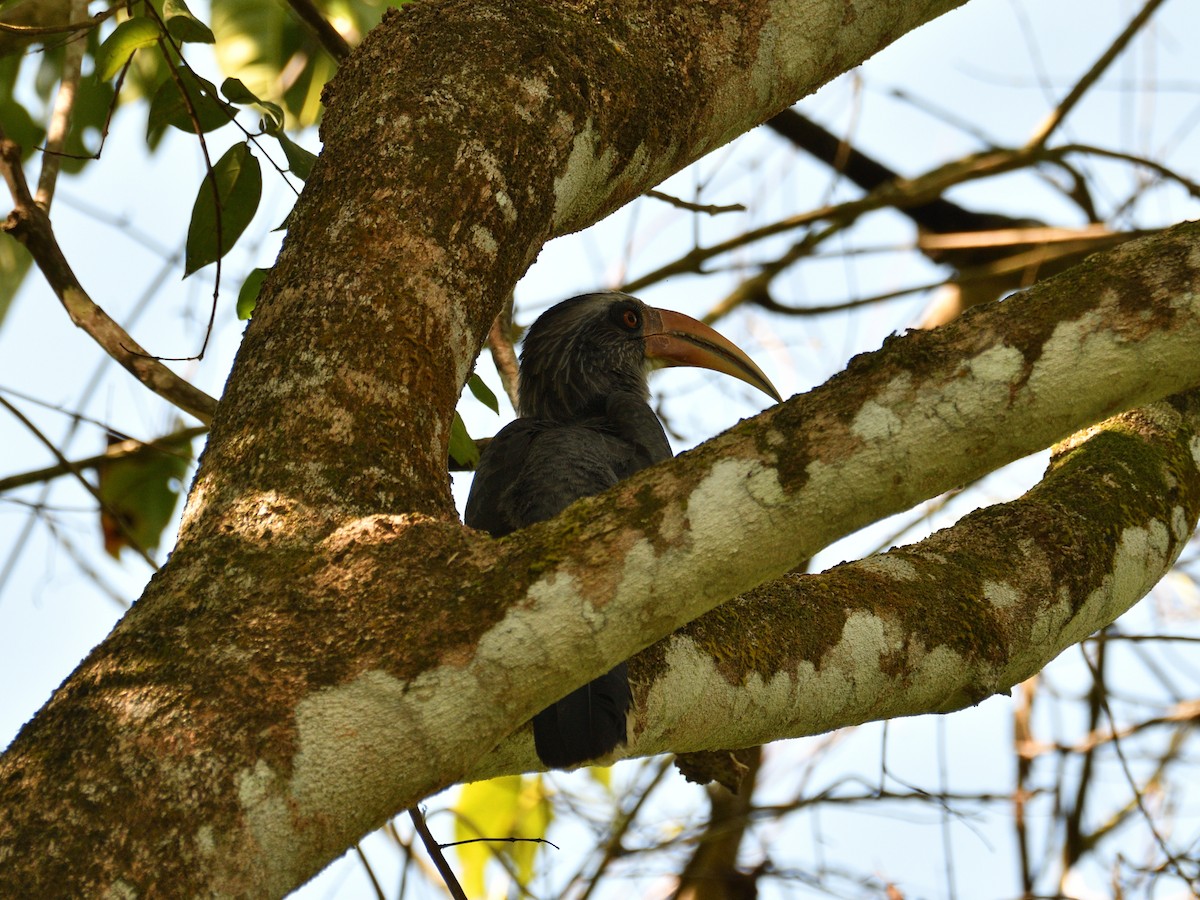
248	295
126	39
513	806
184	26
462	449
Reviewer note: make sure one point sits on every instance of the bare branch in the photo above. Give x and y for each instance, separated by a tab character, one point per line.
1043	132
29	224
131	447
333	42
695	207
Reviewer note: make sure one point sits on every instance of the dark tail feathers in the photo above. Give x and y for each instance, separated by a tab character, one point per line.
586	724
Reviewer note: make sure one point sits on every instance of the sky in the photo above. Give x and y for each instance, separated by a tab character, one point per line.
999	62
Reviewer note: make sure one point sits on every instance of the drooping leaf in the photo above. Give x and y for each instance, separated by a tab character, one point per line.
248	295
19	125
483	393
14	264
93	103
300	161
513	806
462	449
139	495
237	92
126	39
170	108
184	26
238	180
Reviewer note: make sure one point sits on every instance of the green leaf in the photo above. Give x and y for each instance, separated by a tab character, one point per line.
258	40
248	295
483	393
19	126
462	449
235	90
140	493
169	107
184	26
238	178
14	263
513	806
300	161
127	38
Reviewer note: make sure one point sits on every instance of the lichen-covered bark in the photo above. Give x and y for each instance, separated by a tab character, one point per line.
944	623
327	644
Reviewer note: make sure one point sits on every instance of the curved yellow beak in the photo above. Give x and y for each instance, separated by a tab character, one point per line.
673	339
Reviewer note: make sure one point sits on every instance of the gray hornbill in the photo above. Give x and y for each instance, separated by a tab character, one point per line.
586	423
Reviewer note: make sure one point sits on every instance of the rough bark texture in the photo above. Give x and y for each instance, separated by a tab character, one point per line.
328	645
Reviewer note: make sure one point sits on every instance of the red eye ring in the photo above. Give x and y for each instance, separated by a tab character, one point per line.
630	319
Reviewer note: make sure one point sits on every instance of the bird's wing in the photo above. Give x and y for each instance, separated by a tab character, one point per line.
534	469
499	466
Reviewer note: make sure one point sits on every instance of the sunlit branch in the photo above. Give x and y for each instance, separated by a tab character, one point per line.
60	118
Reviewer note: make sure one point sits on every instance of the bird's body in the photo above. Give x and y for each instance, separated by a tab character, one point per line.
585	425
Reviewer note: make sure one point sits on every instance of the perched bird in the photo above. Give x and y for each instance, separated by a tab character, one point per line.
586	423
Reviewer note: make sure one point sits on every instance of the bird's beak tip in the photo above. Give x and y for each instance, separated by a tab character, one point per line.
673	339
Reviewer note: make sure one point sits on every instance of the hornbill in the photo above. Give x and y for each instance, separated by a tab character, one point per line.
586	423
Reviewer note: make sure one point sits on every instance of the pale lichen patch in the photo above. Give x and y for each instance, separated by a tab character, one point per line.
876	422
484	241
888	566
1140	558
585	174
1000	594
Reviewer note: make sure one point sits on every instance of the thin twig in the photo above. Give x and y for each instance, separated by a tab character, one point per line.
501	840
49	444
210	175
362	857
1093	74
435	853
125	449
1172	860
710	209
29	224
623	821
897	194
35	31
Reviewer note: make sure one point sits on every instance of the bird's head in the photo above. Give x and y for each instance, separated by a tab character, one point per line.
584	349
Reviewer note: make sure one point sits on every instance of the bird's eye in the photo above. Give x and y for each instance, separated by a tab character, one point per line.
630	319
